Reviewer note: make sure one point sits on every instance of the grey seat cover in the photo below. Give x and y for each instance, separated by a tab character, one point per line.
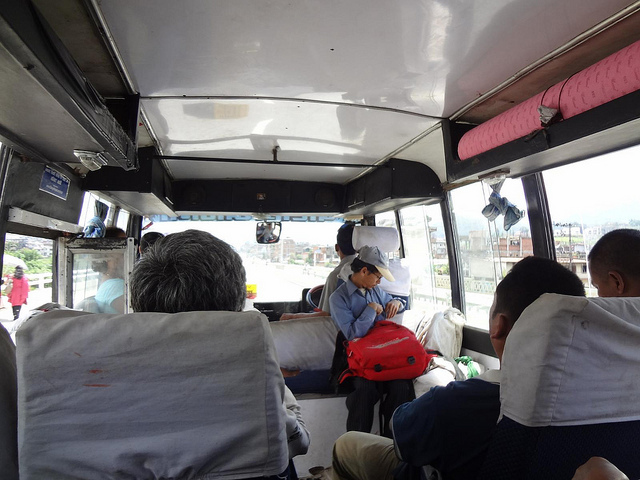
305	343
194	395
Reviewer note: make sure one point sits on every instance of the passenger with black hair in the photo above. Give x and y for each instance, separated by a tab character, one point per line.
115	232
355	307
147	240
344	249
449	428
195	271
614	264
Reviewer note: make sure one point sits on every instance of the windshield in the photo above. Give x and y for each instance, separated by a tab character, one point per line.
278	272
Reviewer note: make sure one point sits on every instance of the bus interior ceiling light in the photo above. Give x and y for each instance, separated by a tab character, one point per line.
91	160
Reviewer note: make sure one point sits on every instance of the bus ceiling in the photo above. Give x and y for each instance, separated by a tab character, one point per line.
298	108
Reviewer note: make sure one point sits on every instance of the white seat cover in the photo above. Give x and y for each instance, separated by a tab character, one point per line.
573	361
194	395
385	238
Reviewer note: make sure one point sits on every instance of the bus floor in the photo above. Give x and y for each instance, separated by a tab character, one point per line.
326	419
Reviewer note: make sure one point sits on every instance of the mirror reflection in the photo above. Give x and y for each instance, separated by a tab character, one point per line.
268	232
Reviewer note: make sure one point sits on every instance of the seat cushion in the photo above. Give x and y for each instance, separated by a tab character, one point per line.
305	343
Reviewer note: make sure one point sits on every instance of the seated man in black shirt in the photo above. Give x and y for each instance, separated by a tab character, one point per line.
449	427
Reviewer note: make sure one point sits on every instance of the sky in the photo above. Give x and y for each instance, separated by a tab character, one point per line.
599	190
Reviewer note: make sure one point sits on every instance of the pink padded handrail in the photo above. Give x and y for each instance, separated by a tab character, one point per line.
611	78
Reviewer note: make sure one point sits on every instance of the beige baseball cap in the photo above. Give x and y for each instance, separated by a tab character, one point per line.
373	256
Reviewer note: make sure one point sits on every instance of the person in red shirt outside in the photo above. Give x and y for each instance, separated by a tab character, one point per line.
19	291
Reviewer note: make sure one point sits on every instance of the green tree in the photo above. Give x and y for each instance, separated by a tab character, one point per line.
35	262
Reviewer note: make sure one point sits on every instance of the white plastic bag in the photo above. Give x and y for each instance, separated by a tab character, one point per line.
445	332
440	372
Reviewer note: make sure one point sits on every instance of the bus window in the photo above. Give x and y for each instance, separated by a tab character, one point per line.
487	250
88	208
584	206
99	270
88	270
426	252
122	220
386	219
34	255
303	258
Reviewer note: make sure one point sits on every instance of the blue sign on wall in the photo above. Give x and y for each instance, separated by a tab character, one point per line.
54	183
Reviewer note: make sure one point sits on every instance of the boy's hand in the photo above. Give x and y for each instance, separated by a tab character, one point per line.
392	308
377	307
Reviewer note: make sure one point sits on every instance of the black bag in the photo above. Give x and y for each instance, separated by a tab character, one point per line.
338	365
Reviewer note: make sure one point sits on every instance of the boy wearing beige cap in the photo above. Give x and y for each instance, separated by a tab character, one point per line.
355	306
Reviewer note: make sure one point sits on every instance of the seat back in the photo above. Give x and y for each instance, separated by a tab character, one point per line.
8	408
570	384
148	395
385	238
88	304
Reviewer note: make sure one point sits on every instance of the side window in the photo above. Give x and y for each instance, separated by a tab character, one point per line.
487	249
34	256
426	254
588	199
123	220
119	217
388	219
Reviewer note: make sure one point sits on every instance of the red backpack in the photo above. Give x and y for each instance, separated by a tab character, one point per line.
388	351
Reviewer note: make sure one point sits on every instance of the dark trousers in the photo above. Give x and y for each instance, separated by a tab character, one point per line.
362	400
16	311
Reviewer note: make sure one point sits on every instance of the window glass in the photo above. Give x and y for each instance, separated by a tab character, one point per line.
386	219
89	209
487	249
426	255
588	199
303	258
123	220
98	281
35	256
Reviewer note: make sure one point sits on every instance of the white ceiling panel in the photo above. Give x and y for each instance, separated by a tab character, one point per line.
249	129
428	57
428	150
184	169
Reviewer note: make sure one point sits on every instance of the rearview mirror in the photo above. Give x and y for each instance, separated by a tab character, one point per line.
268	232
